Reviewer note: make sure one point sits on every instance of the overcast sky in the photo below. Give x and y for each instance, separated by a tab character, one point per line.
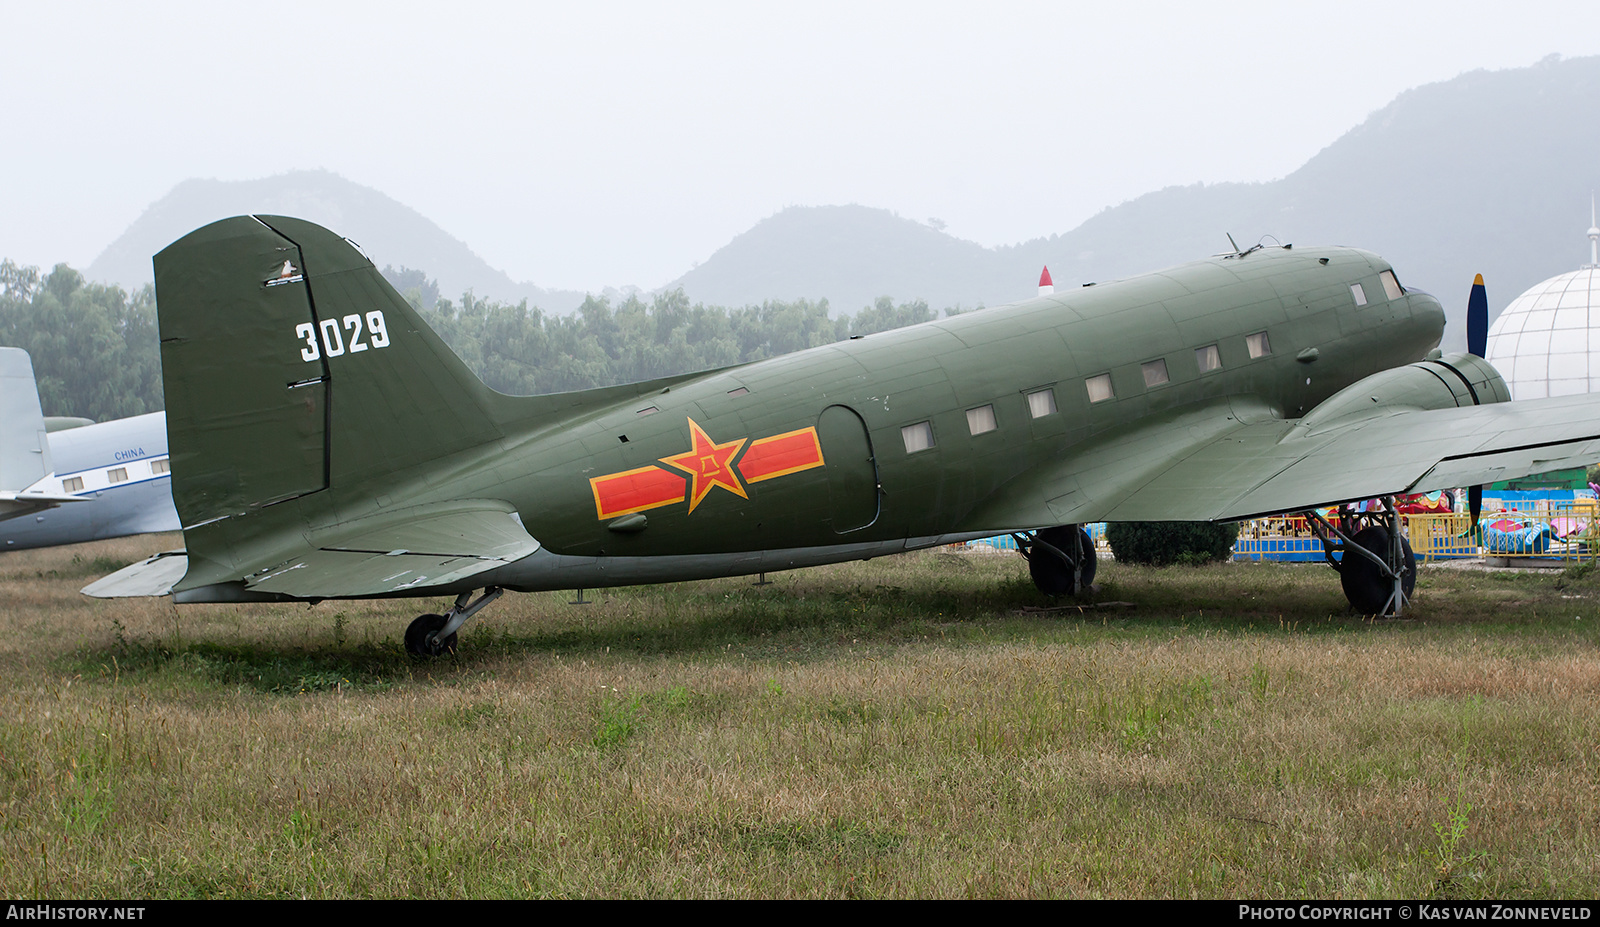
585	145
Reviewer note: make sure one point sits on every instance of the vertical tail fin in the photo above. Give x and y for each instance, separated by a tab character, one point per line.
24	449
291	367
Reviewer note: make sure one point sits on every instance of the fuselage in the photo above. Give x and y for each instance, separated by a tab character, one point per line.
118	468
916	429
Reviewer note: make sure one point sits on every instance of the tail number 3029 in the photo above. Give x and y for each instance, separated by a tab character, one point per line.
334	332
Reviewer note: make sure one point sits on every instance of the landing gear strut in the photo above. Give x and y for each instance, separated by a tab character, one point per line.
435	635
1061	560
1376	568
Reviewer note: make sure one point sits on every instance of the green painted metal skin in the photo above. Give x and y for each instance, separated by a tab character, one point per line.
305	472
1560	479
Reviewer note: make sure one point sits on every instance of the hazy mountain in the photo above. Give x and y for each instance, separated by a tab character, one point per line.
388	231
1489	173
850	255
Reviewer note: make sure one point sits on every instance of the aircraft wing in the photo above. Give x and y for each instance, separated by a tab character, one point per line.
1233	459
416	549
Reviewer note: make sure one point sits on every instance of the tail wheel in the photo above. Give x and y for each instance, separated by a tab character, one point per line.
420	640
1364	583
1052	575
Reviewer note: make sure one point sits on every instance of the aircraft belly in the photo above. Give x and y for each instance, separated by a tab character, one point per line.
543	570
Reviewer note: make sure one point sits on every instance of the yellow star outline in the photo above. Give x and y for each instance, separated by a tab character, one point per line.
710	464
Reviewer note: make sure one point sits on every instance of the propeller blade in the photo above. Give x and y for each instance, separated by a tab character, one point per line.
1477	344
1478	319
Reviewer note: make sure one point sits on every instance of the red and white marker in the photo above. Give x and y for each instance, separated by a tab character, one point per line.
1045	286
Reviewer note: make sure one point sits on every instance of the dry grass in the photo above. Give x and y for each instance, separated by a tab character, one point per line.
888	729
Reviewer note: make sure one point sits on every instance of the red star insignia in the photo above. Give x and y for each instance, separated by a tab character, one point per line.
710	464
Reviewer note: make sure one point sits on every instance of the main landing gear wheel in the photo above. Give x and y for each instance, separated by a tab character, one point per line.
1364	582
435	635
1052	572
422	637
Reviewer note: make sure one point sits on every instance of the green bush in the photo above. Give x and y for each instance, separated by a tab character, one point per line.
1163	542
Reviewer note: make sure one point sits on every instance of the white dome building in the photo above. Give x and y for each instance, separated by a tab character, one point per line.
1547	342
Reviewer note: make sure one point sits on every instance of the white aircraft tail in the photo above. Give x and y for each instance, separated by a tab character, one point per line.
24	449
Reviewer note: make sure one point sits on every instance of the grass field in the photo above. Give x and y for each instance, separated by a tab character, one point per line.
902	727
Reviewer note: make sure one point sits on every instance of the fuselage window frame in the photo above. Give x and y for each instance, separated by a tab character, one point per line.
918	436
1155	373
1041	402
981	420
117	475
1100	388
1258	344
1359	294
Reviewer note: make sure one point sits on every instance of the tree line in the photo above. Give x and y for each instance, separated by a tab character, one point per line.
94	347
96	353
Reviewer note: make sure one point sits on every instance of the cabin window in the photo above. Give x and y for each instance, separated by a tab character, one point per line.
118	475
1155	372
159	467
1041	403
1207	358
1358	294
1100	388
918	437
72	484
981	420
1258	345
1391	286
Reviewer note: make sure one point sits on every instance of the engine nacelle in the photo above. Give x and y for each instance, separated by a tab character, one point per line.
1453	380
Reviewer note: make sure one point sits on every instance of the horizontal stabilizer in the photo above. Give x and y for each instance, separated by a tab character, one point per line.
13	504
151	577
418	548
44	499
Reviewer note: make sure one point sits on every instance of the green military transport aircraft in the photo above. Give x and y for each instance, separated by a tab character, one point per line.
327	444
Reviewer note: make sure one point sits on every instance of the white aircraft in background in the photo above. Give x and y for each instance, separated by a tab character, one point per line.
66	480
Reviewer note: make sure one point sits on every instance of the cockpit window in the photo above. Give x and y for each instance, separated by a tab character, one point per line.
1359	294
1391	286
